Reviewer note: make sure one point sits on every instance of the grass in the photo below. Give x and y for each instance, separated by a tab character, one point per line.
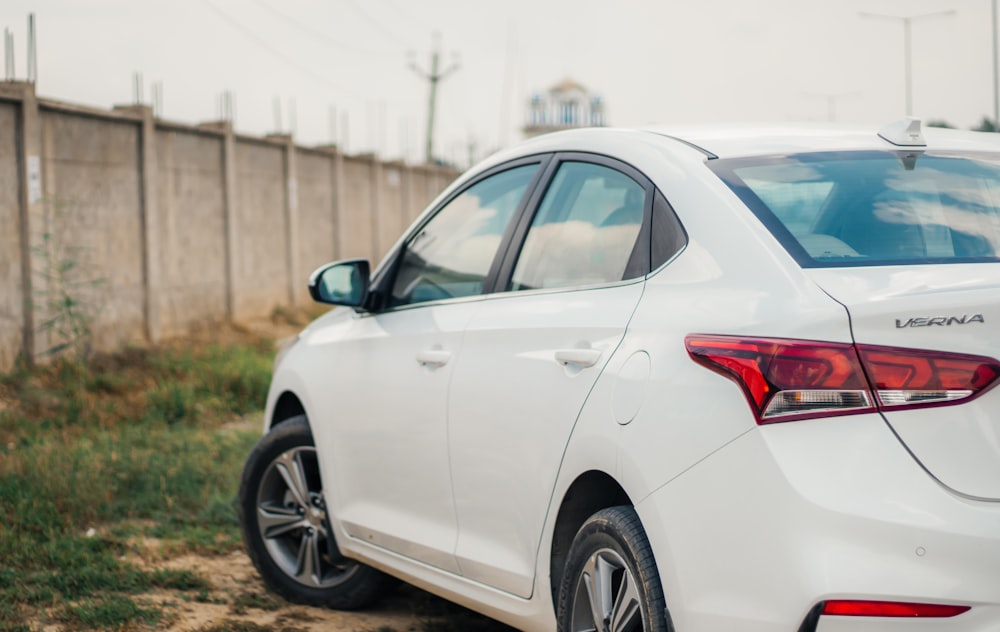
95	455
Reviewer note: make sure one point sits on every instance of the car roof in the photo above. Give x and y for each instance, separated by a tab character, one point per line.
730	141
742	140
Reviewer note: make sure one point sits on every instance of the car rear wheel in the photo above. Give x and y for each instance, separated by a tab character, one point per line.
286	529
611	583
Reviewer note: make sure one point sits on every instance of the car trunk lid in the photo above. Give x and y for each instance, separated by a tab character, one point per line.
950	308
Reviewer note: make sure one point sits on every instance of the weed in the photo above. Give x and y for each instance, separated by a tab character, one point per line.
108	613
64	297
255	600
205	596
178	580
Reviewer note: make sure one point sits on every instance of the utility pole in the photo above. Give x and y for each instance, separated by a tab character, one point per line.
907	20
434	77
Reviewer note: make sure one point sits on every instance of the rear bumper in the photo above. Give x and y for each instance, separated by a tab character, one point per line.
792	514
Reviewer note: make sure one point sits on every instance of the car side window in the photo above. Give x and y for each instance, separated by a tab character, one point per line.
584	231
451	255
668	236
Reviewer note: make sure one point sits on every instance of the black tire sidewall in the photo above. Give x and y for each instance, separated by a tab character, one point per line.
617	529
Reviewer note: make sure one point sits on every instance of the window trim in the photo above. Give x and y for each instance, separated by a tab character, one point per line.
385	276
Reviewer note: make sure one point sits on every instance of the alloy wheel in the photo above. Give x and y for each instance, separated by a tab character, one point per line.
607	596
292	519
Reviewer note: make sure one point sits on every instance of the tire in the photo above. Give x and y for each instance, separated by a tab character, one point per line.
611	583
286	530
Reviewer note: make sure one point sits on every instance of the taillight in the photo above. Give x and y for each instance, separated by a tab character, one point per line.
797	379
908	377
787	379
858	608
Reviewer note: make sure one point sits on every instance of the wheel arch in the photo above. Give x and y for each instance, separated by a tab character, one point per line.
591	492
287	406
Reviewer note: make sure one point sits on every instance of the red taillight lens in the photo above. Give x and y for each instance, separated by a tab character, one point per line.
910	377
796	379
856	608
787	379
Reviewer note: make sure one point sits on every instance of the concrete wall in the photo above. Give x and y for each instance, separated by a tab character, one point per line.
191	228
92	191
168	226
358	228
262	274
316	199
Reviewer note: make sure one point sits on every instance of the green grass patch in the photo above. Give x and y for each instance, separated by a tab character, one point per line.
112	612
260	601
94	455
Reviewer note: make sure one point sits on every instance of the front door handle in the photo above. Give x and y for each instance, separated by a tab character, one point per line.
582	358
433	357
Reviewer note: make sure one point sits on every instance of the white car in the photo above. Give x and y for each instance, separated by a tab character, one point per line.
697	380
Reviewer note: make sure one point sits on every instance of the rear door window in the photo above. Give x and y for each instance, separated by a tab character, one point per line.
585	230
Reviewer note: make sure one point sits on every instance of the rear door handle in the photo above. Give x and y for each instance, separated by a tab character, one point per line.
582	358
433	357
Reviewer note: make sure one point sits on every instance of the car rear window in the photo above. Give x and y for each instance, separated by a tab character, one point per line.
874	208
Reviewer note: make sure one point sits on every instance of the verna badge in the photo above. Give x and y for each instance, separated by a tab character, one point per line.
940	321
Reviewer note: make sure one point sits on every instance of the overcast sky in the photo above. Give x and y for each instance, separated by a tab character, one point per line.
665	61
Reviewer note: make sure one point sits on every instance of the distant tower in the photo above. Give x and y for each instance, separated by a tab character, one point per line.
564	106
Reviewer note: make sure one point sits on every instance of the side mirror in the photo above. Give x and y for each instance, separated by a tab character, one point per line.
341	283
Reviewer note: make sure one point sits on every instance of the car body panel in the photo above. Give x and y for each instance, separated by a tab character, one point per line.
934	307
502	483
386	439
827	509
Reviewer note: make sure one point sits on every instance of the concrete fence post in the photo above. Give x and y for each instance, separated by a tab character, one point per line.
375	212
149	219
407	205
296	286
339	246
231	216
31	207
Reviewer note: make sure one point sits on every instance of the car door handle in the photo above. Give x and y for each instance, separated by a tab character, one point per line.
582	358
433	357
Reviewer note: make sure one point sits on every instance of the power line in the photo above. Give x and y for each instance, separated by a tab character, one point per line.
409	17
263	44
323	37
377	25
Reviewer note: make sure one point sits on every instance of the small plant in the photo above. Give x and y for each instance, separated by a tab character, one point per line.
64	284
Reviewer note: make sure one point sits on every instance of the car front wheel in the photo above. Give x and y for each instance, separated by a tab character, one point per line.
611	583
286	529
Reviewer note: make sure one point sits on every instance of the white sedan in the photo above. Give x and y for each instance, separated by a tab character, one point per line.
697	380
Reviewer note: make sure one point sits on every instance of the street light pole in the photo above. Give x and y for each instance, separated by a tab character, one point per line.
907	20
996	72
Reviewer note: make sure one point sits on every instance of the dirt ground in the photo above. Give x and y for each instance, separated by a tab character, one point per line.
238	601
